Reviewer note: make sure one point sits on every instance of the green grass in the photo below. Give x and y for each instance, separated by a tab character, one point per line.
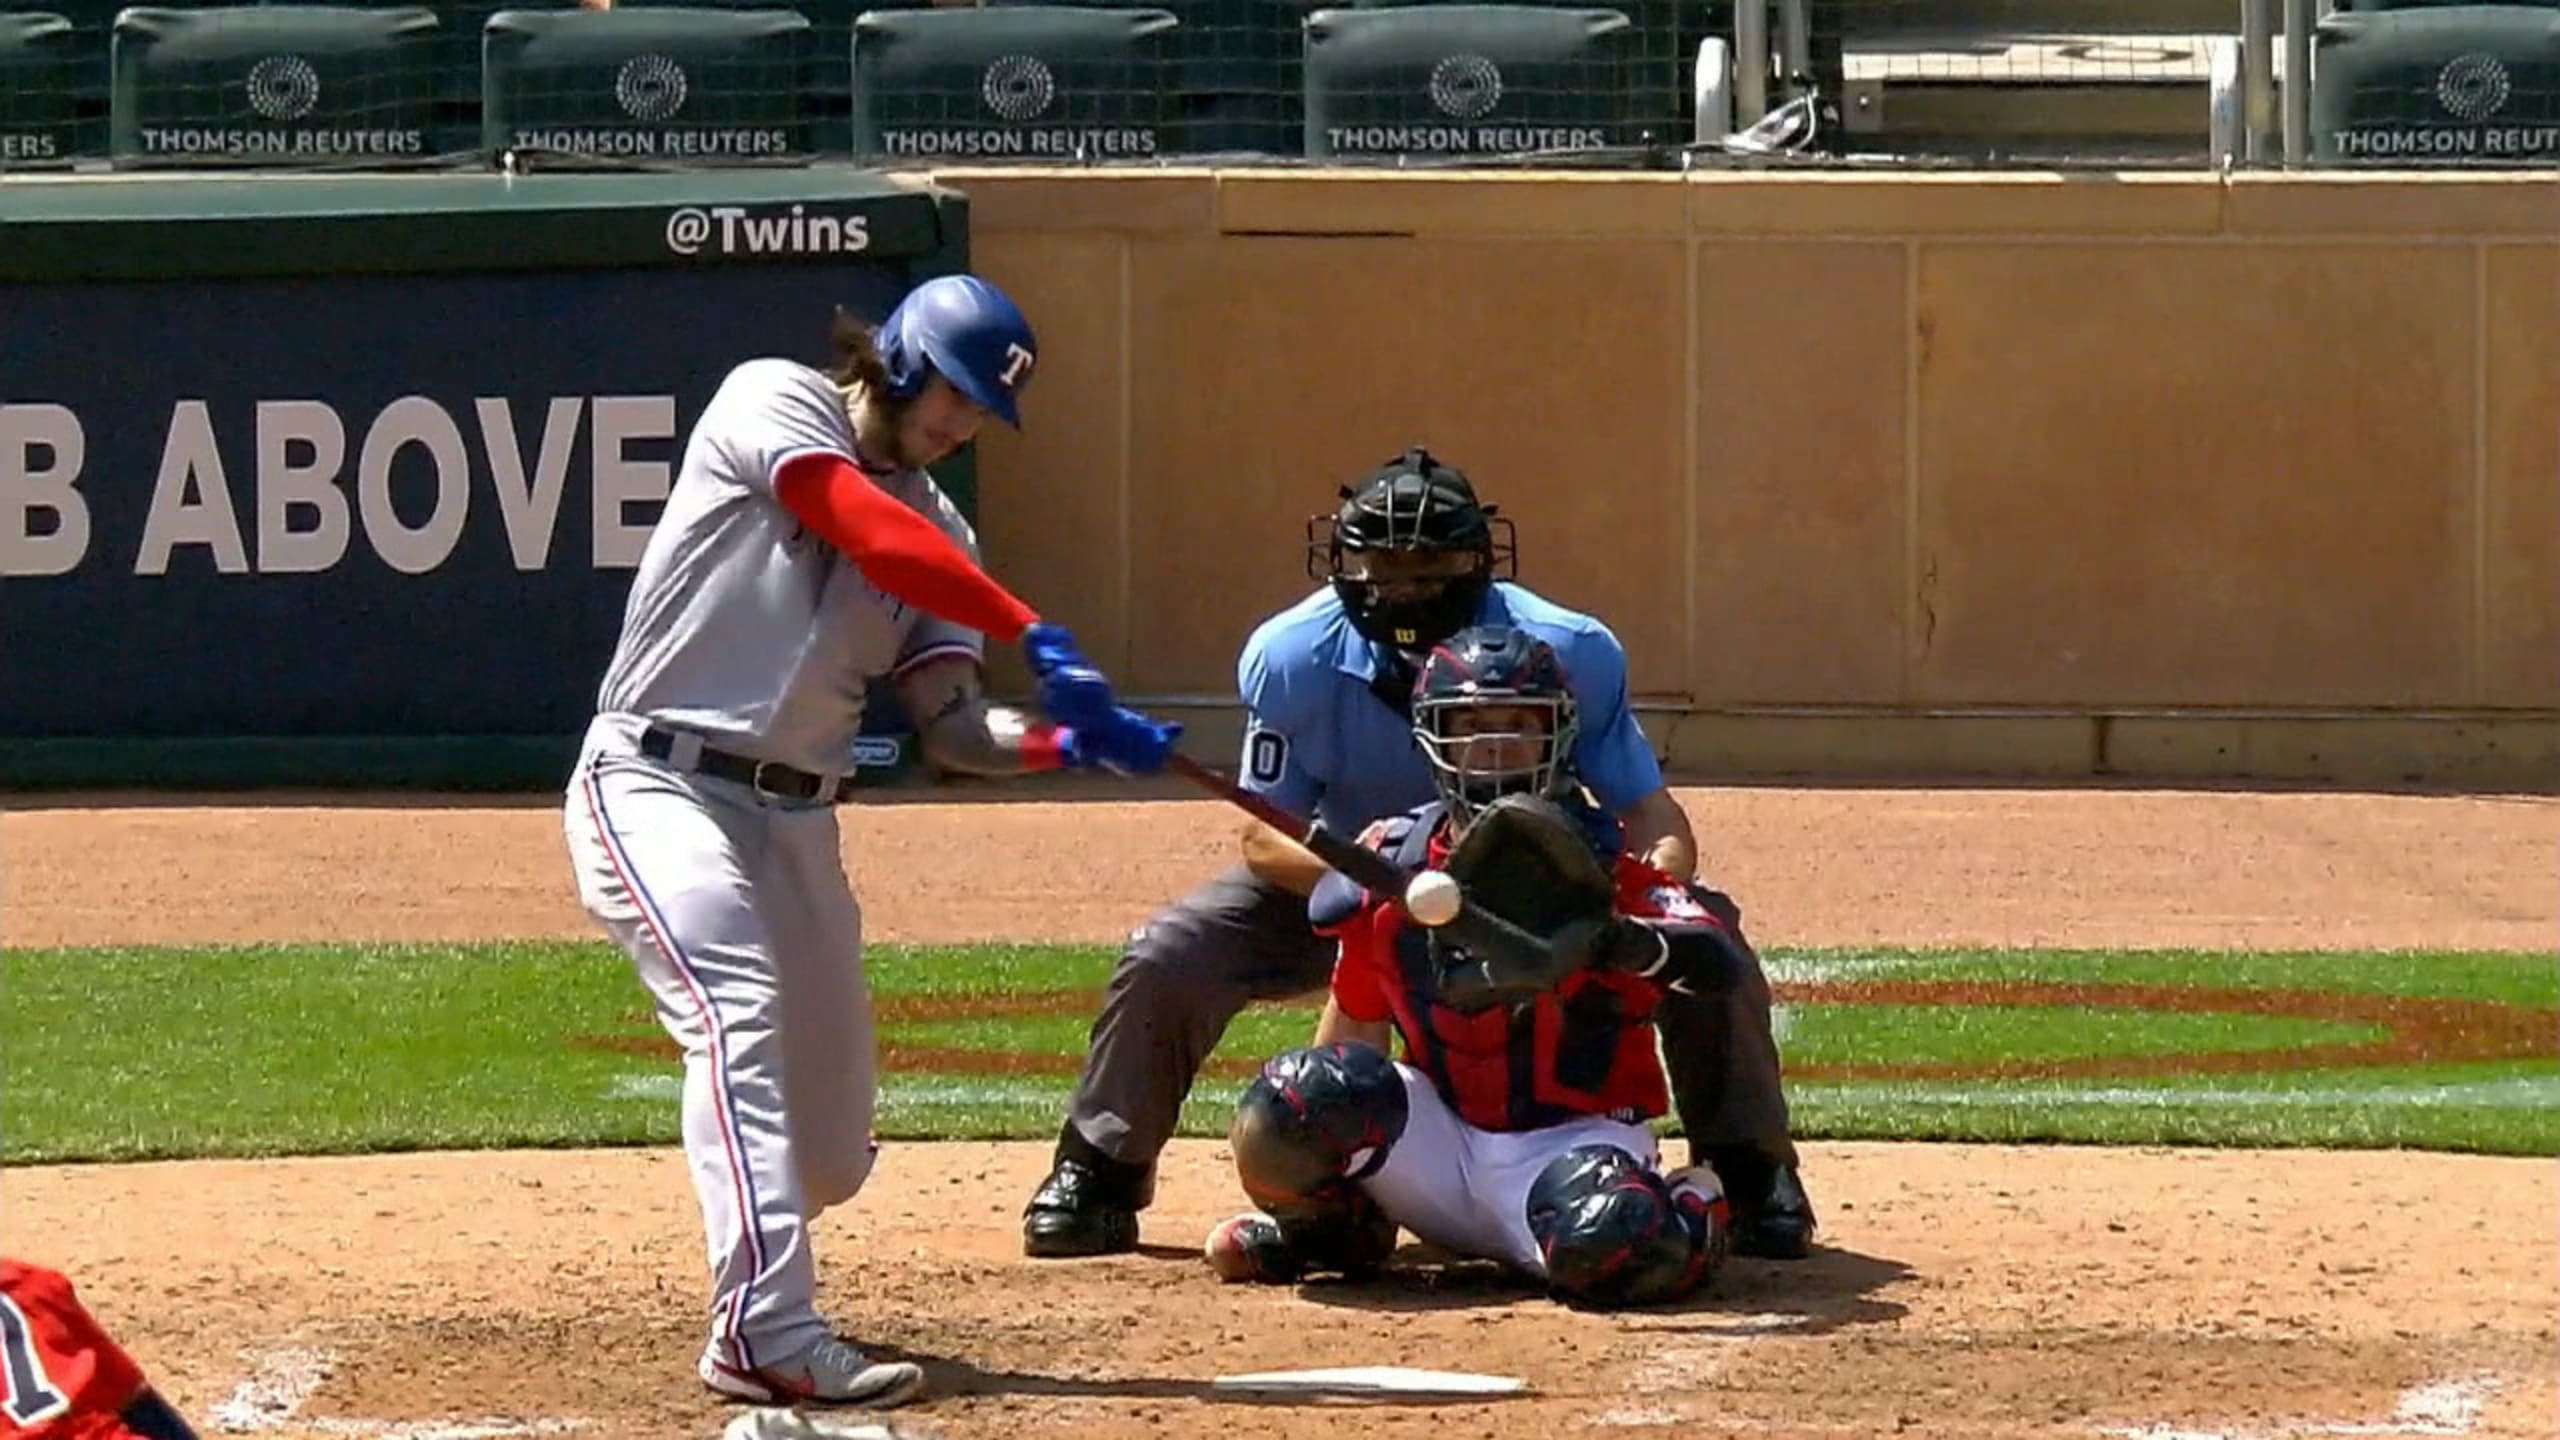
133	1053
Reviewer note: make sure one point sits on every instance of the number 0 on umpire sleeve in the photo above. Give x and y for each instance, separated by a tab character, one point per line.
1266	757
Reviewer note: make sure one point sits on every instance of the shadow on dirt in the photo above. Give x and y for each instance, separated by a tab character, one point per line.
1830	1289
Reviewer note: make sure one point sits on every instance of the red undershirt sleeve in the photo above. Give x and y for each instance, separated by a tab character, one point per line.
1357	987
900	551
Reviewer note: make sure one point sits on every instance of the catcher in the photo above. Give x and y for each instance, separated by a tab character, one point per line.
1513	1128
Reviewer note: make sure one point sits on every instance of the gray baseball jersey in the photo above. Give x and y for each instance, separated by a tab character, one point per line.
734	907
746	628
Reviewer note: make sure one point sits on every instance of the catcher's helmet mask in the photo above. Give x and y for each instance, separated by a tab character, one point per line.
1411	506
1477	670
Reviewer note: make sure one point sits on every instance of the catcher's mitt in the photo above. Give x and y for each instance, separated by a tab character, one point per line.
1525	860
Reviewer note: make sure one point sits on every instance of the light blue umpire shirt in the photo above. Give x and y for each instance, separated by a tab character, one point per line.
1318	741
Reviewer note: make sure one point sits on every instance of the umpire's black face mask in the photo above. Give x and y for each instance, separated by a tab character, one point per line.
1411	599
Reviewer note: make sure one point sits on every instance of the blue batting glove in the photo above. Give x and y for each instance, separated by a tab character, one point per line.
1049	647
1077	697
1126	742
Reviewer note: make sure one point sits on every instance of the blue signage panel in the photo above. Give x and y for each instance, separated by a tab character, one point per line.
354	506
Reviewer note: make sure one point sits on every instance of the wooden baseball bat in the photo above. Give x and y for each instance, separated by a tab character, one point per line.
1510	954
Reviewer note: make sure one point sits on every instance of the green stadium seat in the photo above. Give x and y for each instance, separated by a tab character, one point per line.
1033	82
1666	39
273	85
2437	85
39	124
687	84
1235	77
1472	81
829	88
1242	66
1243	77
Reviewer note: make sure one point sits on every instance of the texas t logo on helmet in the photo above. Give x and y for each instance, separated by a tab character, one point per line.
968	332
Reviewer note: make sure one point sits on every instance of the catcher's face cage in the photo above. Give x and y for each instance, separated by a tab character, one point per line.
1459	755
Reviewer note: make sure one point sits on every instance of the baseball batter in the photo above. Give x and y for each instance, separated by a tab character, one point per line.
1514	1134
804	552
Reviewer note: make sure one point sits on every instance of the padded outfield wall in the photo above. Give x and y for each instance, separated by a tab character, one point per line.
2024	475
340	480
2029	476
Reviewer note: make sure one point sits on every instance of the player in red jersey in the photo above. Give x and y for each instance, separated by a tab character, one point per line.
61	1376
1513	1132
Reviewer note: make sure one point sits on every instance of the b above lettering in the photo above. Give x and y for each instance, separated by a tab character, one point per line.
307	494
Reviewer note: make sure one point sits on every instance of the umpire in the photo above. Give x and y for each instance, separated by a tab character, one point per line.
1410	558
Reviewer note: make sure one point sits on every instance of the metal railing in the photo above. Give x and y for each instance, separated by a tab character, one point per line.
2258	112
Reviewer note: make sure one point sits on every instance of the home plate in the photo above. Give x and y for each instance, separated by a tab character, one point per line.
1371	1382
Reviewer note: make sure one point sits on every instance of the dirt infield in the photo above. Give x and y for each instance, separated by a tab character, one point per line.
1964	1291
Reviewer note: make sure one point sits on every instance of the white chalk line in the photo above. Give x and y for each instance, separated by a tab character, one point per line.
493	1429
2450	1406
1641	1415
277	1384
2518	1092
280	1382
2515	1092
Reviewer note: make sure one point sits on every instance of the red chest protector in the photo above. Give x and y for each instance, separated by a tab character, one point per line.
1584	1048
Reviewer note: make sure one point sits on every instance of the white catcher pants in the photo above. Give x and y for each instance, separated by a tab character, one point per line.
736	914
1467	1190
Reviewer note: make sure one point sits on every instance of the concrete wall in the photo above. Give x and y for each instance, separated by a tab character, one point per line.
2021	474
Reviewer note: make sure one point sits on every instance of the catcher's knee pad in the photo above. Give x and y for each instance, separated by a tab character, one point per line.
1616	1234
1311	1121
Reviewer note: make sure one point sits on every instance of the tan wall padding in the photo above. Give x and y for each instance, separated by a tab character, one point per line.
2222	475
2074	443
1801	566
2520	620
1536	366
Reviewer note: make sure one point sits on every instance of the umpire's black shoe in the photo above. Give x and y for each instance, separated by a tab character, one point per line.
1772	1218
1088	1205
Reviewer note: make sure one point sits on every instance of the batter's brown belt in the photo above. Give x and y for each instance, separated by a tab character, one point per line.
765	777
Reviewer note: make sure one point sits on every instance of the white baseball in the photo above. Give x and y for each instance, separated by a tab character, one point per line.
1432	898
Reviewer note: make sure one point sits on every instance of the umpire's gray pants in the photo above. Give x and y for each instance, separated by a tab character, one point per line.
1189	970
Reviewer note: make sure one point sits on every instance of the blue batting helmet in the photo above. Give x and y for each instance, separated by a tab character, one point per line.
968	332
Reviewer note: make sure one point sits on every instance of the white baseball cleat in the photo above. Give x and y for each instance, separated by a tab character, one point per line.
827	1373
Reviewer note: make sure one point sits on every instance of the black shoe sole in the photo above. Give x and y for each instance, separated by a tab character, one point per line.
1076	1236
